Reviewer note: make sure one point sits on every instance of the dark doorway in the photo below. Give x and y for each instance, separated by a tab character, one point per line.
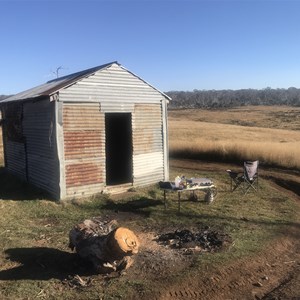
118	148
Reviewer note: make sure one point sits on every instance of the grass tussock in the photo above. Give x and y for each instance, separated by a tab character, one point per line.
276	154
191	138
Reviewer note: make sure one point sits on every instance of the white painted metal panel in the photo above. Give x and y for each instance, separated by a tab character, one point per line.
148	163
117	107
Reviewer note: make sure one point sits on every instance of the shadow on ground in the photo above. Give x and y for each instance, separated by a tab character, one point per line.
43	264
134	206
13	188
287	184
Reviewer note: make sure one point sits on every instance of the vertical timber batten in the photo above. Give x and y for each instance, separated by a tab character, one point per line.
60	148
165	139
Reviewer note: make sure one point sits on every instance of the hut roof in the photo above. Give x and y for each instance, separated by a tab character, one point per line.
51	87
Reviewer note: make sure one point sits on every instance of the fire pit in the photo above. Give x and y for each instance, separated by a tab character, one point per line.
205	240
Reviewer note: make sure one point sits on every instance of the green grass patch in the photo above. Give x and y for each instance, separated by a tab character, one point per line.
35	258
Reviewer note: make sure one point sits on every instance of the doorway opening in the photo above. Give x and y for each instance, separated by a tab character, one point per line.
118	147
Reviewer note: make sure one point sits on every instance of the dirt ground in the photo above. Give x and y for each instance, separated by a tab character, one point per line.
274	274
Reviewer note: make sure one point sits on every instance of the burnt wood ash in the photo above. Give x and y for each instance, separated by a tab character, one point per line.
206	240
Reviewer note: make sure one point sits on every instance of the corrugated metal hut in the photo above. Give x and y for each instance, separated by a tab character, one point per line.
86	132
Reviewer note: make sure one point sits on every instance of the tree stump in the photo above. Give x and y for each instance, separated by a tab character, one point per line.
108	247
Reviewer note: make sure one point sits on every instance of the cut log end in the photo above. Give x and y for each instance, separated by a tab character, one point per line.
108	248
123	242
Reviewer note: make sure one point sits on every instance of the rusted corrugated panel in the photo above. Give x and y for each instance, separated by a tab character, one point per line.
83	174
39	132
147	129
112	84
84	148
83	144
148	158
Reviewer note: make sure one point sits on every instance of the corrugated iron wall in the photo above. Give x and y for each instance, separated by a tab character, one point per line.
111	85
1	140
58	143
13	140
84	148
41	152
84	106
15	158
148	158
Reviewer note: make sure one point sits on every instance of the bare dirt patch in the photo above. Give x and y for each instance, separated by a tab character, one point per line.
252	278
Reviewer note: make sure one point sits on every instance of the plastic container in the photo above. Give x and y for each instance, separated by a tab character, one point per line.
177	181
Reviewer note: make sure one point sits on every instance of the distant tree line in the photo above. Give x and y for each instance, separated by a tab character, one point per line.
230	98
233	98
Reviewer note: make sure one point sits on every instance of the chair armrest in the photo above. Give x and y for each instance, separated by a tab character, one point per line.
233	174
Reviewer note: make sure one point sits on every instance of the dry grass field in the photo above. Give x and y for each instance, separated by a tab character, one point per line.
270	134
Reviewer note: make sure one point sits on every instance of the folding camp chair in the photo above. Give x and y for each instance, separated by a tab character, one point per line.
247	180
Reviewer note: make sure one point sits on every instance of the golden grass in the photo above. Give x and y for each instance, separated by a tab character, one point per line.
192	138
280	117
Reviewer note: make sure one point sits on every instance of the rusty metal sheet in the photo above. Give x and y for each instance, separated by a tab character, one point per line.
84	147
147	129
83	174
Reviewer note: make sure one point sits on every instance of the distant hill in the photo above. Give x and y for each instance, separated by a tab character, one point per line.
233	98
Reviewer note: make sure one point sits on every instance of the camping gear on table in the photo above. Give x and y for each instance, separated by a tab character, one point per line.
191	185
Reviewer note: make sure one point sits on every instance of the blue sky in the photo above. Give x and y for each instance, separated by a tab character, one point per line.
174	45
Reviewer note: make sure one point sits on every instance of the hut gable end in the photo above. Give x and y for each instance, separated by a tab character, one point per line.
112	84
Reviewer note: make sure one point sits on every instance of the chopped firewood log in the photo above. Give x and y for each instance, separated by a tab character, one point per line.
104	244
